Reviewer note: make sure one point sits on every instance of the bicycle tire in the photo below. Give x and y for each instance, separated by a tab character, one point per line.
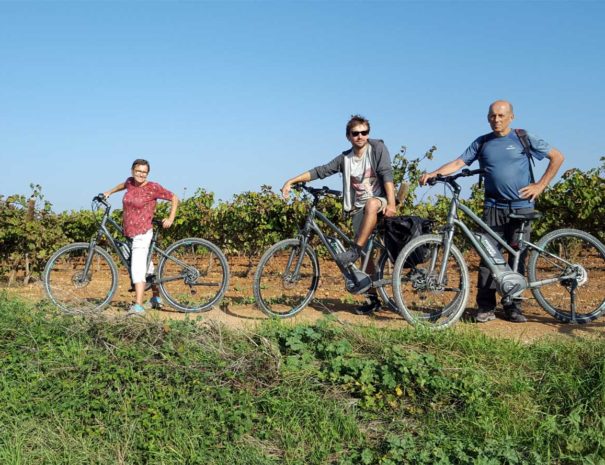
420	299
64	284
383	263
582	250
275	292
191	266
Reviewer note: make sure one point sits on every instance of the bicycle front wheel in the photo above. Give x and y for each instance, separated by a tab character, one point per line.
421	297
282	288
577	261
194	275
74	289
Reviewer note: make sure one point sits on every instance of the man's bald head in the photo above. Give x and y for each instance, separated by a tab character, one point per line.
500	116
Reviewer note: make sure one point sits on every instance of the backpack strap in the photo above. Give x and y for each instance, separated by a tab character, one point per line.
479	151
524	139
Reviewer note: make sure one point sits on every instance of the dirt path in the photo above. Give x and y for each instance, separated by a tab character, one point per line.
238	311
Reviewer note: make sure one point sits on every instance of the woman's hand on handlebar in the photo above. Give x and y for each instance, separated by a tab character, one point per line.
285	190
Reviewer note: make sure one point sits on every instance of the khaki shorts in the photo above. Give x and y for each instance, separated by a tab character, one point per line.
357	215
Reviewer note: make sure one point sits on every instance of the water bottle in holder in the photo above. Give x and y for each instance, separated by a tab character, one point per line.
335	244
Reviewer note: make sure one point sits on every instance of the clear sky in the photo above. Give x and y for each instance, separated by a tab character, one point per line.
229	95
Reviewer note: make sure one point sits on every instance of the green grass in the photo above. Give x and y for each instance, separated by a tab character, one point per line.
134	391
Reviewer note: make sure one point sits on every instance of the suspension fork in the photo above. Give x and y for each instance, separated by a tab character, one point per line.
448	237
303	237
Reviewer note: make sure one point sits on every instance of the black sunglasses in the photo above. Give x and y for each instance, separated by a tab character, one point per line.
357	133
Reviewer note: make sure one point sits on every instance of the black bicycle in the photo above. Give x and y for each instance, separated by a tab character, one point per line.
566	268
288	273
192	274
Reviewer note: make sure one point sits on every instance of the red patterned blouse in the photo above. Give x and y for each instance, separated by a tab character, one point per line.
139	206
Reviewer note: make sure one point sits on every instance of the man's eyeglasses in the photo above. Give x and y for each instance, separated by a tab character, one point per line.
359	133
142	173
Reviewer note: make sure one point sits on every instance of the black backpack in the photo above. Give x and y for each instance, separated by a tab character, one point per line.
399	230
522	135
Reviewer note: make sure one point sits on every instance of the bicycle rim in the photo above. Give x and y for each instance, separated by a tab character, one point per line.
71	289
194	276
279	289
579	299
420	297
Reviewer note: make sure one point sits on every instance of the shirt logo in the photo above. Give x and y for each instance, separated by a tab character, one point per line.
511	147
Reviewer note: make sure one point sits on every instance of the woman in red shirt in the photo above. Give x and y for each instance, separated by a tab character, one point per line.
138	208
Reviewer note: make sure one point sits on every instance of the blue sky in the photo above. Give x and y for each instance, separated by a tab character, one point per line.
229	96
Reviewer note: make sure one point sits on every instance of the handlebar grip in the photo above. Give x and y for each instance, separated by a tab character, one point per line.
433	181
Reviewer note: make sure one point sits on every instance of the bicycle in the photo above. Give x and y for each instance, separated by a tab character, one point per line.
288	273
192	274
566	268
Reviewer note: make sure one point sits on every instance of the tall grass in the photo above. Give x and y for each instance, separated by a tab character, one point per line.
135	391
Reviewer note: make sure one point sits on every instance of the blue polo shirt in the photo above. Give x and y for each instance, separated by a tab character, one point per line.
506	166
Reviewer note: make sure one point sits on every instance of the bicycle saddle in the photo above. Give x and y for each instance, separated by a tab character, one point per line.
535	215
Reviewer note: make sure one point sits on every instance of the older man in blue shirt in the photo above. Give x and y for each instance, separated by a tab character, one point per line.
509	187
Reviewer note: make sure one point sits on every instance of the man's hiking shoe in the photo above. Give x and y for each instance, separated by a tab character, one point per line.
483	316
136	309
514	315
350	256
372	305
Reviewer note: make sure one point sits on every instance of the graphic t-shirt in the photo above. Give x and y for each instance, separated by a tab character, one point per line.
139	206
364	182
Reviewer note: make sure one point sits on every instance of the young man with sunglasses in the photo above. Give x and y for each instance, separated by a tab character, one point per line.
368	189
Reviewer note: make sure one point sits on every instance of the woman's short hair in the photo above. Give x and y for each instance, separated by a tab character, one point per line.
140	161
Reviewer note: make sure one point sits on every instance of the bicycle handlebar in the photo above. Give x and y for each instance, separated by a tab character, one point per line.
315	192
450	179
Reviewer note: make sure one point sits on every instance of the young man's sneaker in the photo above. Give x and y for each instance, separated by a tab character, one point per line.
372	305
136	309
483	316
155	302
349	256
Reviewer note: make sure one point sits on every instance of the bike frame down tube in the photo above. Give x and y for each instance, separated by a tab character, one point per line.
312	225
485	228
103	231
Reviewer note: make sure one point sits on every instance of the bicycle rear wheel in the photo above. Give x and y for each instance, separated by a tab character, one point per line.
194	275
72	289
421	298
577	260
280	290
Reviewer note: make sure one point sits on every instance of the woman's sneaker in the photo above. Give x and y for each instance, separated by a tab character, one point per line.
155	302
136	309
